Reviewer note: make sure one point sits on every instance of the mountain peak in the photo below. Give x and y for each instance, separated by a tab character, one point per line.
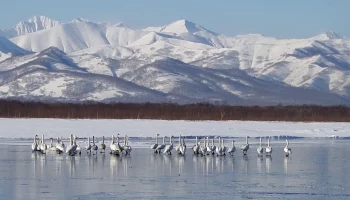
184	26
329	35
77	20
34	24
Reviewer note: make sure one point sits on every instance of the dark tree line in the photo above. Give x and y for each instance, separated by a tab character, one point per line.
171	111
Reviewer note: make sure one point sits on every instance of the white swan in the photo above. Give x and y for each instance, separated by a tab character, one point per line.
88	146
51	146
161	147
60	147
213	147
195	148
127	147
78	149
203	148
182	148
43	146
103	145
223	147
113	146
287	149
260	150
245	147
71	147
219	148
209	151
35	144
155	145
268	148
232	149
169	147
94	147
177	148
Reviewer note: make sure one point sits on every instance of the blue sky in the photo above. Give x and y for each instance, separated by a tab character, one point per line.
277	18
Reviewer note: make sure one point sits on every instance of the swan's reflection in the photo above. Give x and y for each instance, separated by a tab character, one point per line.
246	161
259	163
181	162
113	164
287	159
268	163
72	168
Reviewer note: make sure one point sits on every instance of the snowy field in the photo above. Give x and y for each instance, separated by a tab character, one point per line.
26	128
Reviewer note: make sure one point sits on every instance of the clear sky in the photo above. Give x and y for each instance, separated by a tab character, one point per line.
277	18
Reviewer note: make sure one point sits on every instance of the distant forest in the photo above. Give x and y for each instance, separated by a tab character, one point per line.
171	111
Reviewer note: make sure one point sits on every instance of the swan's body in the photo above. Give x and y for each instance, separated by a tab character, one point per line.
169	147
245	147
260	150
287	149
161	147
155	145
103	145
35	144
72	147
268	148
195	148
232	149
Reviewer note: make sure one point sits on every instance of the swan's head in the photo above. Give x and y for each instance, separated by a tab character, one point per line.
233	141
157	134
248	137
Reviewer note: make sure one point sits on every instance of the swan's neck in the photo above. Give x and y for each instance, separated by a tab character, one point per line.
51	143
164	140
156	139
223	143
268	142
88	140
246	140
35	139
71	140
112	139
196	140
212	142
180	140
171	141
103	139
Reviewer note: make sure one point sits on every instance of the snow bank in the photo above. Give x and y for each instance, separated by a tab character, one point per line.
26	128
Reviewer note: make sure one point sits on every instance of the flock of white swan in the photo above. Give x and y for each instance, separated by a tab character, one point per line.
118	148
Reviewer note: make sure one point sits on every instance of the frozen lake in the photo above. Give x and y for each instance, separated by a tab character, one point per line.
317	169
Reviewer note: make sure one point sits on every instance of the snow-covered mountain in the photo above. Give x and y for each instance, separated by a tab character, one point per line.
180	62
34	24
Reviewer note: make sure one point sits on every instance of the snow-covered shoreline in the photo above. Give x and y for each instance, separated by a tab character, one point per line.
26	128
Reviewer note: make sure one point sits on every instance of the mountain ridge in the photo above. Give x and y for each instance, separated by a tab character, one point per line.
182	61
